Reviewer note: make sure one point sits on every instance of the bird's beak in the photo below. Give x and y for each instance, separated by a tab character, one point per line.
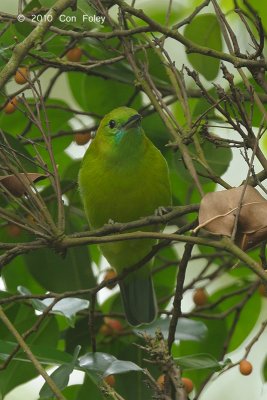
133	121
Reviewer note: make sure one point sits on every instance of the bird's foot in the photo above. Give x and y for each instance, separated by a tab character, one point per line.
160	211
111	222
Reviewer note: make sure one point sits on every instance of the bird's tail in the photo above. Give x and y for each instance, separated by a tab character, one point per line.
139	298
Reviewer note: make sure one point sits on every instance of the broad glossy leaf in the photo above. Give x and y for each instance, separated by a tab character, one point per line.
204	30
45	354
156	131
5	54
60	376
89	386
187	329
79	334
158	12
72	392
61	273
120	367
58	121
105	364
67	307
198	361
21	157
18	372
100	96
17	274
164	278
215	329
218	159
247	318
264	370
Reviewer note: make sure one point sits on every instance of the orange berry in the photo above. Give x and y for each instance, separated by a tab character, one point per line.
188	385
82	138
114	324
200	297
10	107
110	380
245	367
74	55
22	75
110	274
105	330
13	230
161	381
111	327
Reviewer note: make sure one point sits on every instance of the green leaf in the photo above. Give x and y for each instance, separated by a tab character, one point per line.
89	386
45	354
105	364
264	370
58	274
215	329
247	318
20	152
120	367
93	94
159	11
79	334
218	159
156	131
198	361
187	329
67	307
20	372
204	30
60	376
58	121
72	392
5	54
75	19
164	278
17	274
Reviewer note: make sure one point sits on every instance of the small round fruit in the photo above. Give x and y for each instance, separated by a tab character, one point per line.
110	380
188	385
245	367
13	230
110	274
82	138
105	330
200	297
22	75
10	107
114	324
74	55
161	381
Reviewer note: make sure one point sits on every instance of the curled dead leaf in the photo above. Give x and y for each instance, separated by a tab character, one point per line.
18	184
218	211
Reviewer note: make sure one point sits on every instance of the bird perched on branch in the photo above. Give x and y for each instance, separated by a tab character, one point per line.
124	177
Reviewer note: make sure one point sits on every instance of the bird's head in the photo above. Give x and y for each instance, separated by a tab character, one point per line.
121	127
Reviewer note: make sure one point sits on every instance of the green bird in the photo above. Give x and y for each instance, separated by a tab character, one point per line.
124	177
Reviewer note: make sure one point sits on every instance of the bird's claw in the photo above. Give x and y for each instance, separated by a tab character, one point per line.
160	211
111	222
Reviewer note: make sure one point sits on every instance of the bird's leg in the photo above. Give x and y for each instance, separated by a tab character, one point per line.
160	211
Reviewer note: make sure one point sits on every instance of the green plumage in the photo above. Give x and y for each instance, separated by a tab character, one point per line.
124	177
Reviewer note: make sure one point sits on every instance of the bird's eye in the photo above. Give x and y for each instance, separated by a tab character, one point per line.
112	123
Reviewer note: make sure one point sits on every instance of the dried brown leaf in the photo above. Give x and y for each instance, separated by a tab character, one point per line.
218	211
18	184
